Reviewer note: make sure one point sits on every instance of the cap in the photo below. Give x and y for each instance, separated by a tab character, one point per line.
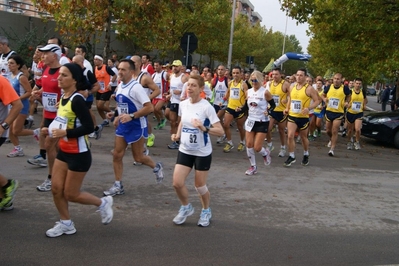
128	57
52	48
188	70
177	63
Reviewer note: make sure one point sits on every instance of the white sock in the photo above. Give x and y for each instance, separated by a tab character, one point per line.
306	153
292	155
251	156
66	222
263	151
118	183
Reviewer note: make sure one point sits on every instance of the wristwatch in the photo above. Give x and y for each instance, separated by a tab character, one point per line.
5	126
207	129
131	116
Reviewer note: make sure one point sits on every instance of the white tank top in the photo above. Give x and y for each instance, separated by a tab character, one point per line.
175	84
257	105
220	92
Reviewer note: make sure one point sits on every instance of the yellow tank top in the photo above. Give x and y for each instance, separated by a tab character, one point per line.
299	101
278	95
319	107
336	99
237	95
356	103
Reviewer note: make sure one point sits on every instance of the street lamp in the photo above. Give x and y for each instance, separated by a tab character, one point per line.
231	35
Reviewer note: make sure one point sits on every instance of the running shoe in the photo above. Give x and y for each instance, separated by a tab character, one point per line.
92	135
270	147
106	211
38	160
150	140
173	146
282	152
251	170
344	132
7	207
158	171
228	147
184	212
61	229
16	153
105	123
9	193
331	153
158	126
220	139
36	134
315	134
205	217
310	138
305	160
289	161
114	190
349	146
30	123
357	145
267	160
97	133
163	123
241	146
45	186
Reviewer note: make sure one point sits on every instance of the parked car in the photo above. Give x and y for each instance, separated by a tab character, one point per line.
382	126
371	91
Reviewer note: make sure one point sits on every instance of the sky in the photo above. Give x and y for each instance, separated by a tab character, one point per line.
273	17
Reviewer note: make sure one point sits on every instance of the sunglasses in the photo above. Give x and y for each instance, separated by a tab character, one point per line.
254	80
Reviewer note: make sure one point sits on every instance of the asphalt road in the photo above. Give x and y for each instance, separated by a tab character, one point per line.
336	211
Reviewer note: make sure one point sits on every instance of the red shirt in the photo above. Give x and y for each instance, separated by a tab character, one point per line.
51	92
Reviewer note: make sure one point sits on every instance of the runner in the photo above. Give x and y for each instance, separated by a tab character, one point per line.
8	97
319	111
236	101
71	126
337	97
177	80
133	105
257	123
354	114
278	89
220	86
161	79
298	106
198	121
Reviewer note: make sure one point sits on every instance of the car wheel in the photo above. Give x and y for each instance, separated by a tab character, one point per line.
396	140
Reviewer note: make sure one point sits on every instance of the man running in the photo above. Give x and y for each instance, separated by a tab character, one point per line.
161	79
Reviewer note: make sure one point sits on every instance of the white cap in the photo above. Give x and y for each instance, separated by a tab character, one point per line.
52	48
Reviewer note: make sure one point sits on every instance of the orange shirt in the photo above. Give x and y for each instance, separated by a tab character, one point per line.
7	92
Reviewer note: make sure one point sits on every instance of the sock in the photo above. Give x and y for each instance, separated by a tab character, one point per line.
118	183
306	153
283	147
206	210
243	142
31	118
292	155
66	222
230	142
251	156
49	177
263	152
43	153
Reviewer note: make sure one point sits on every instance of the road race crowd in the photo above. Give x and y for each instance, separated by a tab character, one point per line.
196	104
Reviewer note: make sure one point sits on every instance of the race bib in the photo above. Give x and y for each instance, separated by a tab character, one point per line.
102	85
296	106
249	124
235	93
356	106
276	99
49	101
333	103
190	138
123	108
59	122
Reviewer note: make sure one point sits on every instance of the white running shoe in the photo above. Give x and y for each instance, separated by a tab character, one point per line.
252	170
357	145
267	160
184	212
282	152
114	190
16	153
158	171
45	186
38	160
205	217
61	229
106	211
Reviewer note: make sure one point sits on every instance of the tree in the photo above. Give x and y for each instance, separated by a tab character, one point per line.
357	38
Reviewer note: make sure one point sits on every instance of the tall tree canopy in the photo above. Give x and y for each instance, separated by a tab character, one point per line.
356	37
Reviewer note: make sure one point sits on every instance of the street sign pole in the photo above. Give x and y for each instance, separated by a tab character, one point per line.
231	36
188	49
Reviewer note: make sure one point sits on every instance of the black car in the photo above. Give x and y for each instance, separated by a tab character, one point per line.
371	91
382	126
